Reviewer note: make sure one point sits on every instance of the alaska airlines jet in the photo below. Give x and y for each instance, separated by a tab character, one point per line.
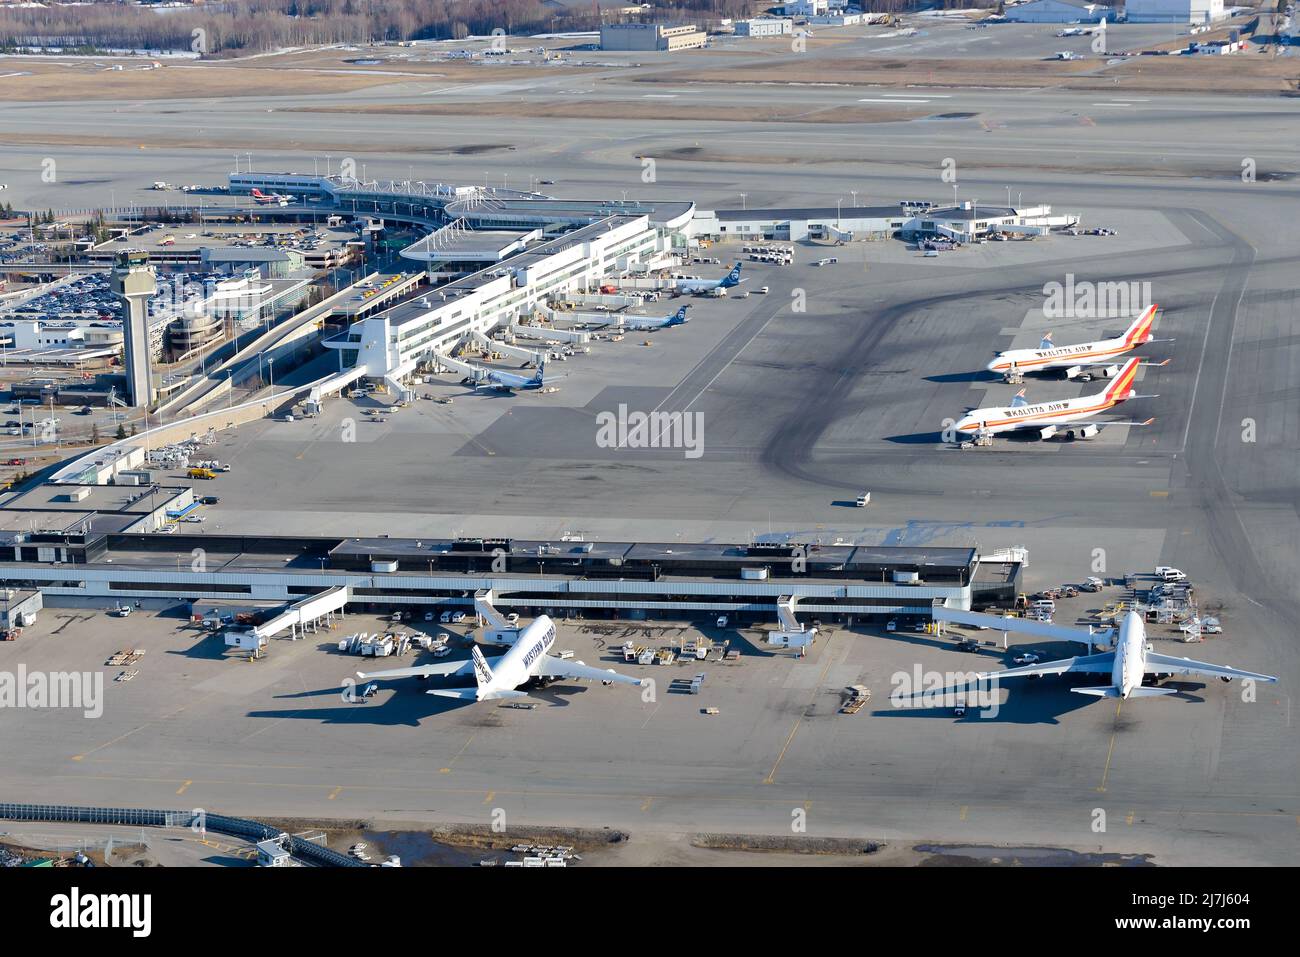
647	322
1048	417
510	381
1129	661
526	660
706	285
1103	352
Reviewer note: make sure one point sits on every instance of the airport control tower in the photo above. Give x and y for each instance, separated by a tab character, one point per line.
135	284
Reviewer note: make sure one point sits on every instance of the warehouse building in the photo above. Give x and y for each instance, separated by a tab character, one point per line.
764	27
857	223
793	583
649	37
1057	11
1174	11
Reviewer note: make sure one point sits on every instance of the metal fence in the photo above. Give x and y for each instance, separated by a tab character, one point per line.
149	817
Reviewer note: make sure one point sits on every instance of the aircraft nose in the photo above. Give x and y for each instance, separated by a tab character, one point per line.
993	364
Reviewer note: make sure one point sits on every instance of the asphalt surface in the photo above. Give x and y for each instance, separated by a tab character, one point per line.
800	411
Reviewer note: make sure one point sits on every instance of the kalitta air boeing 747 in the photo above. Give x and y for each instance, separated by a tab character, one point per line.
1075	359
1070	418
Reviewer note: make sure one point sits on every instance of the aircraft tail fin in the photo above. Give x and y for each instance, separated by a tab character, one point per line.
1140	331
1019	399
1046	341
482	672
1122	384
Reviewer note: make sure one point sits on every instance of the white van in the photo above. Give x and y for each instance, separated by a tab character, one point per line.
1169	573
1045	604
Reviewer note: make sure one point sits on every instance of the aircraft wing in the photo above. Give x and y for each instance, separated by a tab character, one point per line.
1100	422
1040	629
1094	664
443	668
552	667
1169	665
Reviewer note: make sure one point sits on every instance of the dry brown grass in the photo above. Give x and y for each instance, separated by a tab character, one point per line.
1241	73
630	109
292	75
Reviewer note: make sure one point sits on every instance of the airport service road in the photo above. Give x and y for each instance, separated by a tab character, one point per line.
1205	778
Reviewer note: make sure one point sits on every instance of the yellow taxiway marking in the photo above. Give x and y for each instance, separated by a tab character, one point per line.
184	787
1129	819
489	797
1101	788
109	743
962	814
645	805
333	794
463	748
771	775
1160	494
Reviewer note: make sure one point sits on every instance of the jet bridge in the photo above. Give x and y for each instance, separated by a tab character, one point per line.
498	630
545	333
307	615
792	633
516	352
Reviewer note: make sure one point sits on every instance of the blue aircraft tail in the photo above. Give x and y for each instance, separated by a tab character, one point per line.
733	277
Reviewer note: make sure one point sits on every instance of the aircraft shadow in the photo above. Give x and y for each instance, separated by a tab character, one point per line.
917	438
1023	704
980	375
208	647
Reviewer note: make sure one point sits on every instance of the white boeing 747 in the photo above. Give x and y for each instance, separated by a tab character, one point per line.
1072	418
1128	662
1103	352
526	660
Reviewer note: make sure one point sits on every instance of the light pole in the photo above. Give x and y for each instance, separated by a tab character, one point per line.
270	367
838	201
742	201
855	198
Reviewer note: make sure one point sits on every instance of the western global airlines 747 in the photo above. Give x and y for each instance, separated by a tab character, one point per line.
526	660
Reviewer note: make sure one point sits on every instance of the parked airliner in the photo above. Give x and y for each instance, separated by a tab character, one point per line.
527	660
707	285
1075	358
1050	418
1127	663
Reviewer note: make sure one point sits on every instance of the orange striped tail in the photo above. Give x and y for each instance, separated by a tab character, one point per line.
1140	331
1123	384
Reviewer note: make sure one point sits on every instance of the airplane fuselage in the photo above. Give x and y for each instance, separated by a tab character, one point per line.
1060	357
1130	655
998	419
519	664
